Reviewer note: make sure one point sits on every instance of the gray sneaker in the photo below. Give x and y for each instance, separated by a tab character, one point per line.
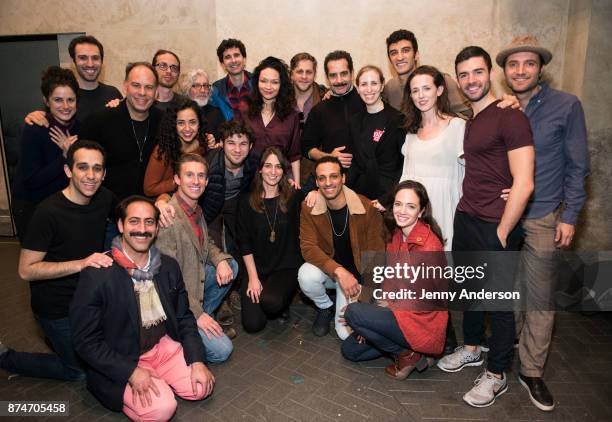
460	358
486	389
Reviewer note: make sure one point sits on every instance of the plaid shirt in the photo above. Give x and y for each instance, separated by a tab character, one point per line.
238	97
195	217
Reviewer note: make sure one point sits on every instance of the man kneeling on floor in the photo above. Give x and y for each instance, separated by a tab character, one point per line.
333	235
207	271
132	325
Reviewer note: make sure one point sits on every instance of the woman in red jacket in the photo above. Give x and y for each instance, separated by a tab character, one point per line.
409	330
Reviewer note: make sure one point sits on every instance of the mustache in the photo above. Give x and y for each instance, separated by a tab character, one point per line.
340	84
141	234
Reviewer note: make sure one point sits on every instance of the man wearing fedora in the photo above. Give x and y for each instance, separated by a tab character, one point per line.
562	164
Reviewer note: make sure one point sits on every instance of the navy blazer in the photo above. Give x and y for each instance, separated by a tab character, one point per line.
105	325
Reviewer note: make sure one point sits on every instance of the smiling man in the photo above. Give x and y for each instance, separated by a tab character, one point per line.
403	53
333	235
207	271
65	235
326	132
128	132
132	325
232	91
499	153
560	139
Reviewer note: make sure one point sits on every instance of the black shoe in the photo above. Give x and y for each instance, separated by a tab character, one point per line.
538	393
320	326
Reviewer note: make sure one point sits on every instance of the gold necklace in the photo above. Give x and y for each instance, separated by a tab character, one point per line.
272	226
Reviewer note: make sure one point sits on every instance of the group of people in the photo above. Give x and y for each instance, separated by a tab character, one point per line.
264	183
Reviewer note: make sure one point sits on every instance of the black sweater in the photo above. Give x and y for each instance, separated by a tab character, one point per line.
253	237
125	165
376	166
327	126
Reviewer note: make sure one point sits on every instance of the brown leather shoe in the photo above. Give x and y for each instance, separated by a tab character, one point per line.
405	363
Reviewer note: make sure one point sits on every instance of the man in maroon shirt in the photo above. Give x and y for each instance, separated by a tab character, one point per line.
499	152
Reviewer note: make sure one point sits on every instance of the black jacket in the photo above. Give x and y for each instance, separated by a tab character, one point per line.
328	122
125	167
105	326
214	196
376	166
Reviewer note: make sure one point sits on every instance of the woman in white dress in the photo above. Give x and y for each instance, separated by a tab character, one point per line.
433	149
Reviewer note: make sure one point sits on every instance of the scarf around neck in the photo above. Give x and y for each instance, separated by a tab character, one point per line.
151	309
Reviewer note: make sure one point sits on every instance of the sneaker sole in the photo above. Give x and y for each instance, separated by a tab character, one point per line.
499	393
536	403
478	363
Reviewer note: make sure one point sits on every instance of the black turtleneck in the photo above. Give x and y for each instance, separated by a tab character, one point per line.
327	126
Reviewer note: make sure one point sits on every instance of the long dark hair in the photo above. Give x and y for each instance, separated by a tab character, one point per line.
283	106
413	119
257	192
425	205
168	141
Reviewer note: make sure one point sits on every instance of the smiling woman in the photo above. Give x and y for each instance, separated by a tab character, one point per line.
40	171
181	132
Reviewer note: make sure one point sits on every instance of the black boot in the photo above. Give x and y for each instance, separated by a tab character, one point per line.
320	326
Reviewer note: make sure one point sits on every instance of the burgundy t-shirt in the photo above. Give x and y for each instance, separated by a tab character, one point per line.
488	138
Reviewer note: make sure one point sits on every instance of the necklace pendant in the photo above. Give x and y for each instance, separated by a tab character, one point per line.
272	236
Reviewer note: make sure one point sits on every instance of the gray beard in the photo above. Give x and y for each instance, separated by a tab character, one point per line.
201	102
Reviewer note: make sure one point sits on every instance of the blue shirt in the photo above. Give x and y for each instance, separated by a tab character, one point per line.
561	154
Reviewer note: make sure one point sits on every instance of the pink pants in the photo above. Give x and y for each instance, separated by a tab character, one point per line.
170	372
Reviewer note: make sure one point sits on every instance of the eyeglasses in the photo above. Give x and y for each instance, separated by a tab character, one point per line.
201	86
164	66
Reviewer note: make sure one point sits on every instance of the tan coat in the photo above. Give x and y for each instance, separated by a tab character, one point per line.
365	231
180	242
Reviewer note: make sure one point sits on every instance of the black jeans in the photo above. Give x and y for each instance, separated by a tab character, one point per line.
380	329
278	291
474	234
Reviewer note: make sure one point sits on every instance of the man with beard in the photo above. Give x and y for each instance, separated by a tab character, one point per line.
132	325
232	91
198	88
560	139
87	54
499	153
334	234
326	132
168	68
403	53
128	131
65	235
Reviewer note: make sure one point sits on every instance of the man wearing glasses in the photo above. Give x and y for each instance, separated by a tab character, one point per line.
168	68
197	86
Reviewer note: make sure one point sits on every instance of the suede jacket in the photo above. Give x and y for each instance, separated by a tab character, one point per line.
365	230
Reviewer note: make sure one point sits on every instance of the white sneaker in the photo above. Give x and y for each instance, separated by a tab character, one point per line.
460	358
487	387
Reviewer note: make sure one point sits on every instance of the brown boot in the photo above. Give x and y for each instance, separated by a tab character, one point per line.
405	363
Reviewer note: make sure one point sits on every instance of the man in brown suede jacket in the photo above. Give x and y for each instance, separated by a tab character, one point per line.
334	234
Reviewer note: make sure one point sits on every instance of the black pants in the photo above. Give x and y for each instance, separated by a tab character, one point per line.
22	214
278	291
474	234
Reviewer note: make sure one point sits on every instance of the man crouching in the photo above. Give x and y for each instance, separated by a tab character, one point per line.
132	325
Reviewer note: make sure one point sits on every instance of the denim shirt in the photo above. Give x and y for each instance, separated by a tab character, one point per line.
561	154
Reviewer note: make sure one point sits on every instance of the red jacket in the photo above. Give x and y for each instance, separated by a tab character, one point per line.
424	330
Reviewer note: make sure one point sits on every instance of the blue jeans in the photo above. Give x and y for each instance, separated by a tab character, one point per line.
380	329
62	365
218	349
213	293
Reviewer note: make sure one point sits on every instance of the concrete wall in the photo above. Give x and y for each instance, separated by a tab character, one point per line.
576	31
